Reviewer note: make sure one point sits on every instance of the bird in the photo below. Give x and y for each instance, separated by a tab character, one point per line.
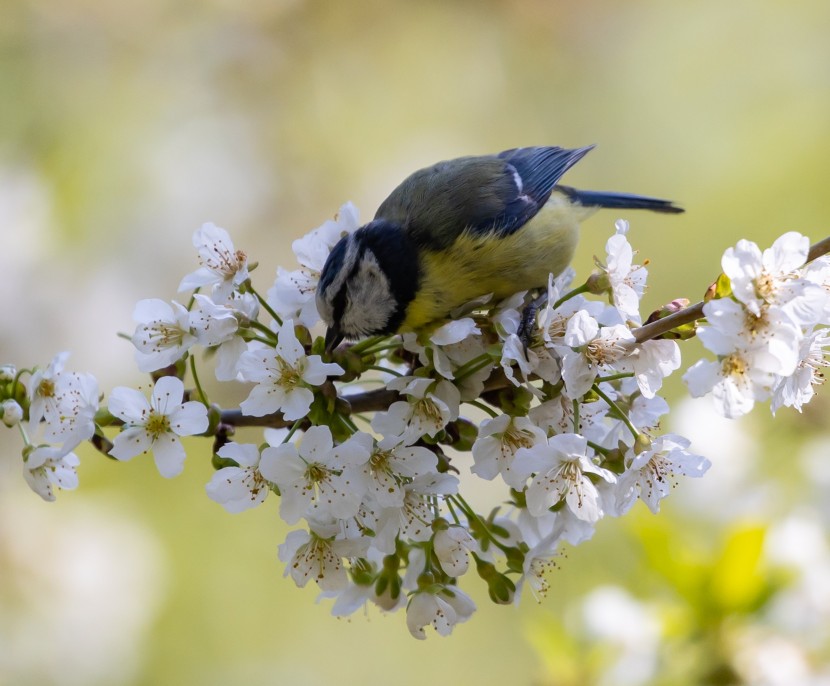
457	230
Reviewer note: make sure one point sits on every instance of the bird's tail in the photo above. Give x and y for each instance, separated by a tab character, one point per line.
626	201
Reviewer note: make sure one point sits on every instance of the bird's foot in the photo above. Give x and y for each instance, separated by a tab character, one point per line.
528	322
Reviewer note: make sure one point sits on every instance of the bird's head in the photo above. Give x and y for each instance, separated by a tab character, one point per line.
367	282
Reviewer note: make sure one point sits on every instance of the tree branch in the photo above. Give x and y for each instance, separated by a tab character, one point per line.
666	324
381	398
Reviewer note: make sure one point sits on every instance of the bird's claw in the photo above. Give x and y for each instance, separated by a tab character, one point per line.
527	324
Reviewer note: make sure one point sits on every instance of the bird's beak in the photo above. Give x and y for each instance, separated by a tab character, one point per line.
333	338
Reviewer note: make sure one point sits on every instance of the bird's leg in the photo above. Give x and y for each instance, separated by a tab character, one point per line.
526	326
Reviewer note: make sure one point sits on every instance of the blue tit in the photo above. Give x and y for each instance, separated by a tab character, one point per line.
455	231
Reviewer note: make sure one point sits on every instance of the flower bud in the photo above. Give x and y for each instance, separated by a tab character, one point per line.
500	588
642	443
11	412
7	373
598	283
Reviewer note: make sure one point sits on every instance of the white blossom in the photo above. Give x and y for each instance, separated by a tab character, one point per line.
46	467
356	596
318	555
798	388
498	441
644	413
452	547
223	267
762	279
413	519
514	354
588	350
310	477
43	398
651	362
390	465
748	362
650	474
8	372
162	335
156	425
242	487
442	606
283	376
557	416
430	407
627	280
62	404
543	535
442	341
217	326
561	467
211	323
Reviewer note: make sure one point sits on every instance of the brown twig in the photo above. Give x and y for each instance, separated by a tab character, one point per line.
666	324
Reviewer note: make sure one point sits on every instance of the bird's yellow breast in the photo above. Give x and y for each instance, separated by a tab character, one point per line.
475	265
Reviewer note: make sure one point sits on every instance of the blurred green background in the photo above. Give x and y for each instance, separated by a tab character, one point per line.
126	125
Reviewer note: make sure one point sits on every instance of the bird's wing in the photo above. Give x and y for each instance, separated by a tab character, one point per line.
495	193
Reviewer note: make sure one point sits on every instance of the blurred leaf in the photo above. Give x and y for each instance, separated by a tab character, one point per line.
739	582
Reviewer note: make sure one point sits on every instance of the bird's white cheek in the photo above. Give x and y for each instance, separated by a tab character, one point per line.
370	302
324	310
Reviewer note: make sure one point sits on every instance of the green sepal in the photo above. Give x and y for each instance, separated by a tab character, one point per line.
722	288
499	587
461	434
326	410
220	462
515	559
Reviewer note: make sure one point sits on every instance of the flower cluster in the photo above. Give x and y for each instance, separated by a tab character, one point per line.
61	408
570	431
769	334
565	414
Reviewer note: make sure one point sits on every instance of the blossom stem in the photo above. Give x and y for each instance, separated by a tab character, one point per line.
23	433
248	337
435	507
270	336
614	377
584	288
598	448
381	348
622	416
364	346
483	408
265	305
197	383
472	515
473	366
348	423
292	430
576	416
16	380
385	370
453	513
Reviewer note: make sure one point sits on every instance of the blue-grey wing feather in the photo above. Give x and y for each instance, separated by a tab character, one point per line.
491	193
